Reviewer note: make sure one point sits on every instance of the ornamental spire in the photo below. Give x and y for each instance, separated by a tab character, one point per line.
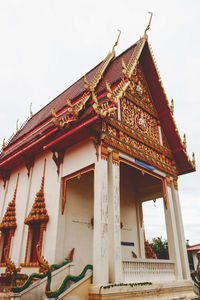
149	24
38	212
9	219
116	43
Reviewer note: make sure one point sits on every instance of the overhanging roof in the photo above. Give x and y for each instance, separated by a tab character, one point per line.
40	129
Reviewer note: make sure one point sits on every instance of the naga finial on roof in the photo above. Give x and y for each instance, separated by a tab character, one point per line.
149	24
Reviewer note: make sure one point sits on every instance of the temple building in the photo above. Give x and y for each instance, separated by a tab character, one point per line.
73	181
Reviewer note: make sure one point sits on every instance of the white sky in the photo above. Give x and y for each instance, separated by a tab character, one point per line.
46	45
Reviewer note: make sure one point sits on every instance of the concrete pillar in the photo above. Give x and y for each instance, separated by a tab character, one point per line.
172	236
100	234
115	255
180	231
140	228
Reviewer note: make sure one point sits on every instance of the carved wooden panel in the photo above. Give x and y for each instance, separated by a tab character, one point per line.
140	88
137	118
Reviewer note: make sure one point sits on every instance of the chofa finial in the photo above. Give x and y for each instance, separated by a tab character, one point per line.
4	144
17	127
30	108
116	43
149	24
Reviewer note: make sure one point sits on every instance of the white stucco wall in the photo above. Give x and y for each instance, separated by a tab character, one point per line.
75	159
78	215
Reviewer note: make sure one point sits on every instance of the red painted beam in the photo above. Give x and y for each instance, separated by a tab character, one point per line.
53	143
27	147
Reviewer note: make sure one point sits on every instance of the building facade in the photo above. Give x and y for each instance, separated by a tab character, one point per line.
76	175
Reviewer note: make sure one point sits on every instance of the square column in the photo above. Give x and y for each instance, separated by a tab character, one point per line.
100	234
180	230
115	255
172	235
140	228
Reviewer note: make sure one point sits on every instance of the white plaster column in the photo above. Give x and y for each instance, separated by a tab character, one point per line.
140	228
114	231
180	231
172	236
100	234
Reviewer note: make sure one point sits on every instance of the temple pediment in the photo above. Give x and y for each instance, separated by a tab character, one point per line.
124	92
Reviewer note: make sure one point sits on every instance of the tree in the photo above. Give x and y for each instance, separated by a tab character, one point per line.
160	247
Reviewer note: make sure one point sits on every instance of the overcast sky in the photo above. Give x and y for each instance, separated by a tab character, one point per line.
47	45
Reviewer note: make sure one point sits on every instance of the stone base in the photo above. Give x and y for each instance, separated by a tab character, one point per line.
170	290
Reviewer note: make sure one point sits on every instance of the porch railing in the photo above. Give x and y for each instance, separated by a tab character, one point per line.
143	270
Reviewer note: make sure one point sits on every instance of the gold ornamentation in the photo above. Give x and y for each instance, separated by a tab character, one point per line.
73	111
9	219
175	182
115	157
172	106
129	70
149	24
43	263
10	266
168	181
104	152
140	91
4	144
104	109
38	212
140	120
193	159
116	94
141	151
165	194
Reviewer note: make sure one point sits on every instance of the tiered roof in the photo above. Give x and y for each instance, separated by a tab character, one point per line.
108	80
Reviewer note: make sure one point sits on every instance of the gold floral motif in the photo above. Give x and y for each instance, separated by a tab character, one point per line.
140	120
112	131
141	151
168	181
175	181
139	87
138	136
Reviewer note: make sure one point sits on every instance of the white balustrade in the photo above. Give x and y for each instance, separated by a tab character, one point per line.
151	270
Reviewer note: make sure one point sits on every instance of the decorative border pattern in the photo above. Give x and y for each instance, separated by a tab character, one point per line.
133	151
140	137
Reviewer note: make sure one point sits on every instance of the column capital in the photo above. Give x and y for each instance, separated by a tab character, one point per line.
104	152
115	157
168	181
175	182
